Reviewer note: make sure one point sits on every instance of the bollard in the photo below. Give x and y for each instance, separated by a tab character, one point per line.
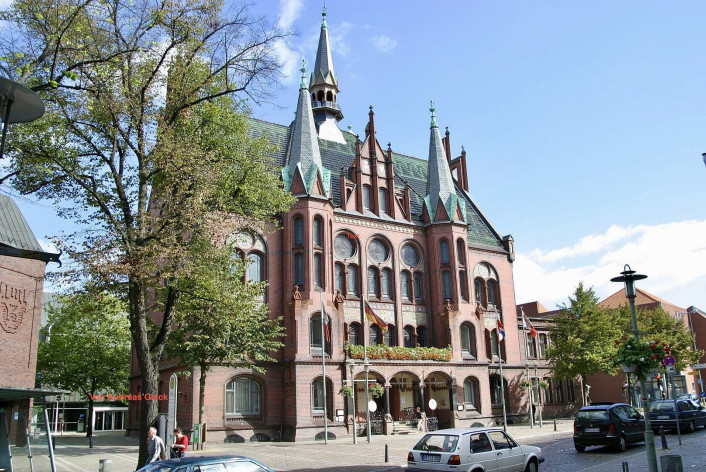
104	465
554	424
671	463
387	453
663	438
626	467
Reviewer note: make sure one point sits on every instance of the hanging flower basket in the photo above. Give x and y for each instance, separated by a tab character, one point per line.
376	389
346	391
543	384
639	357
525	384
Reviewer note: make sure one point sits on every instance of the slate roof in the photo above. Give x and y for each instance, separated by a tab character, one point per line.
338	157
14	230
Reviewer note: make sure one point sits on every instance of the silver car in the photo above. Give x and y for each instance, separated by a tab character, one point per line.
471	450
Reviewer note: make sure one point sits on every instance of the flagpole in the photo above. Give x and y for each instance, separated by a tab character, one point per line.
323	363
502	379
529	389
366	366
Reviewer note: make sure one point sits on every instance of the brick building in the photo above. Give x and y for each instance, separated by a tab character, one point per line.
397	232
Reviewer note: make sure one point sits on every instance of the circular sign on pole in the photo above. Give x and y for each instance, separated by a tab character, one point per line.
432	404
669	360
372	406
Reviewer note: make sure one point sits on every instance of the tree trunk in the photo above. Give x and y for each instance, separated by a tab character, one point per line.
89	419
202	393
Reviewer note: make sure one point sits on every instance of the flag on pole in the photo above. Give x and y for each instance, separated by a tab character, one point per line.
525	324
501	331
327	331
373	318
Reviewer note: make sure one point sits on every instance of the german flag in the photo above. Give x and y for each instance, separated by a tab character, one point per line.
373	318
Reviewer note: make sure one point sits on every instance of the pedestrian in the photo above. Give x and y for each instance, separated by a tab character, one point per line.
156	450
421	420
181	444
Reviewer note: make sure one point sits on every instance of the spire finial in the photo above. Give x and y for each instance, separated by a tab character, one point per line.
433	117
323	16
303	70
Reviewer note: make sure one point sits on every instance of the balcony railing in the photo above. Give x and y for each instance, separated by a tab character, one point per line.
325	104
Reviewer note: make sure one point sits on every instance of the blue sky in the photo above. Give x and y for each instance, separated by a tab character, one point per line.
583	122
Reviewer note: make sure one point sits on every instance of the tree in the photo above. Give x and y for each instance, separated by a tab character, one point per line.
582	337
87	348
143	144
222	319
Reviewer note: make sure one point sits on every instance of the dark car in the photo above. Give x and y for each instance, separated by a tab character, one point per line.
615	424
207	464
691	415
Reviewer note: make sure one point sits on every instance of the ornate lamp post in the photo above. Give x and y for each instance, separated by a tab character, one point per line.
628	276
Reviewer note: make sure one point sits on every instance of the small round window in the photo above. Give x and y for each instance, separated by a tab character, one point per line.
378	251
343	246
410	255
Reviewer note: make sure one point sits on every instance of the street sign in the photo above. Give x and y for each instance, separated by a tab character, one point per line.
670	369
669	360
698	366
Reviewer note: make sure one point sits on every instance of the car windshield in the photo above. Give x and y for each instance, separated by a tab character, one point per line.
437	443
662	406
155	467
593	415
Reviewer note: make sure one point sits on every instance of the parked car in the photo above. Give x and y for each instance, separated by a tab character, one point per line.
615	424
207	464
691	415
471	449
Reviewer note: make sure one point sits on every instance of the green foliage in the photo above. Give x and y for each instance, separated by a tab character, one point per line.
346	391
582	337
643	356
397	353
376	389
88	345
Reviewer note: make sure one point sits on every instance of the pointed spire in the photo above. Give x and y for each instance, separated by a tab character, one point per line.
304	154
324	63
440	185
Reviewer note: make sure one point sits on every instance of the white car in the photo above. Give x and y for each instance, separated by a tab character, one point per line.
473	450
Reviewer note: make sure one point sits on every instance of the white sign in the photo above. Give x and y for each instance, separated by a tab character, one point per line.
670	369
432	404
698	366
372	406
490	320
171	408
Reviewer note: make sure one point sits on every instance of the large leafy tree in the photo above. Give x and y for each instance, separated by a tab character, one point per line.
87	348
142	144
582	338
222	319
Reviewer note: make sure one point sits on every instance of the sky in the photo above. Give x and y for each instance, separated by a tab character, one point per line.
583	121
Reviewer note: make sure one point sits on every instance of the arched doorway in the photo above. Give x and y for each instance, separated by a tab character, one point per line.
404	396
438	387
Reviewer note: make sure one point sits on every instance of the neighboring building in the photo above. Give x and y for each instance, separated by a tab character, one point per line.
397	231
697	323
22	266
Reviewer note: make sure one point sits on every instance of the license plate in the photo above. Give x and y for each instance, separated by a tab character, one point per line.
592	430
431	457
663	417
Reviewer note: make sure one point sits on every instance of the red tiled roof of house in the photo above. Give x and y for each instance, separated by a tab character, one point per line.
642	299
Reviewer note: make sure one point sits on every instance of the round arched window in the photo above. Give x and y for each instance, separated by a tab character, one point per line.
410	255
378	251
343	246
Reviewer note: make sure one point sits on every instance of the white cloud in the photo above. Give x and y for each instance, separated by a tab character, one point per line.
289	12
384	43
47	246
673	255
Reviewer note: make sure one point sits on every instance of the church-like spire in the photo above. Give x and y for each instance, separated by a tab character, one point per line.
440	184
304	155
323	67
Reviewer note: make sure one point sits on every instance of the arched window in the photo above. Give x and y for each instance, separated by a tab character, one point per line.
531	347
382	200
315	335
320	96
329	96
405	286
422	336
444	252
418	287
408	336
390	336
495	390
485	285
446	290
317	396
298	232
375	335
373	282
543	346
463	281
469	394
352	280
354	336
468	340
317	232
460	253
254	272
386	283
366	197
478	290
243	397
318	270
492	294
494	345
299	269
338	277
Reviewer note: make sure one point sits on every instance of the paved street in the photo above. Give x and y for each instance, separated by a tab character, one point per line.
73	454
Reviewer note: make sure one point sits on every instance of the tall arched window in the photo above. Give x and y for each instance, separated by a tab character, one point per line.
373	282
386	283
478	291
418	287
468	340
298	231
408	336
375	335
254	272
444	252
315	335
317	232
390	336
299	269
317	396
446	289
405	286
492	294
338	277
243	397
460	253
463	282
422	336
352	280
354	334
469	394
366	197
318	270
485	285
382	200
542	345
495	390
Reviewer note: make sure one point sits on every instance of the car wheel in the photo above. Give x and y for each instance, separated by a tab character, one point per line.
692	427
531	466
623	444
580	447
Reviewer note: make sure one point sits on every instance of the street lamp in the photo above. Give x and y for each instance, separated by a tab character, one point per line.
351	365
366	368
18	104
628	276
539	393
